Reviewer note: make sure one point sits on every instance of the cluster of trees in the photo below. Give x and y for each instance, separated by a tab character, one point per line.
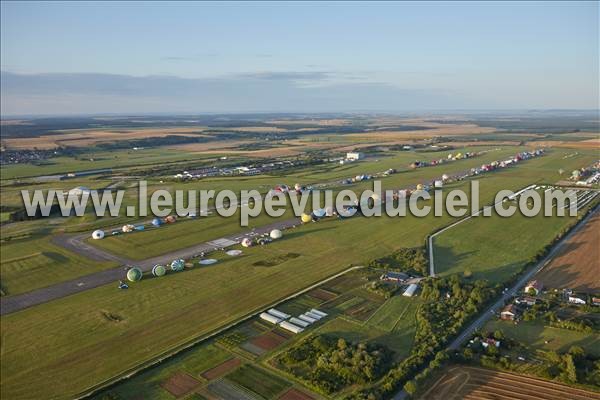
383	289
411	260
450	303
331	363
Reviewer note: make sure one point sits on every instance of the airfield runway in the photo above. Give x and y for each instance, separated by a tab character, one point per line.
76	244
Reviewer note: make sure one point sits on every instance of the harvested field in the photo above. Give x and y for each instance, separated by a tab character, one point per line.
268	341
222	369
477	383
180	384
576	266
259	381
322	294
90	137
295	394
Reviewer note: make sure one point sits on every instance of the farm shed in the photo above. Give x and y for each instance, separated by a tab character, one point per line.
321	313
270	318
278	313
410	290
299	322
576	300
306	318
394	277
290	327
313	316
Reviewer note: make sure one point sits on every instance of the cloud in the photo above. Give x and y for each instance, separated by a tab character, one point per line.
94	93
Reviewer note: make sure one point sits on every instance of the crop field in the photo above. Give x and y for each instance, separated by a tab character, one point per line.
576	266
396	314
540	337
477	383
74	332
259	381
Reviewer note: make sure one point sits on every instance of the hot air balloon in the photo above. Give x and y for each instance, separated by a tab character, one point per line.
561	171
134	274
207	261
329	211
98	234
276	234
170	219
438	184
305	218
233	253
127	228
319	212
156	222
576	174
177	265
246	242
445	177
298	187
159	270
450	156
420	186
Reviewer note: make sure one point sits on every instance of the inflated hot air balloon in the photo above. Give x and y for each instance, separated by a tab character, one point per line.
420	186
445	177
127	228
98	234
276	234
329	211
319	213
576	173
177	265
156	222
170	219
438	184
159	270
207	261
305	218
297	187
450	156
233	253
246	242
134	274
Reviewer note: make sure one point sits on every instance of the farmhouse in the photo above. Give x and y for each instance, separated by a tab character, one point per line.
596	301
509	313
354	156
535	286
394	277
527	300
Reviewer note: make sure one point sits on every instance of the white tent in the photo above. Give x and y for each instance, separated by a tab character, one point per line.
299	322
290	327
278	313
270	318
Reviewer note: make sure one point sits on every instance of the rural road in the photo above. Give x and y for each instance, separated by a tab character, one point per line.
491	310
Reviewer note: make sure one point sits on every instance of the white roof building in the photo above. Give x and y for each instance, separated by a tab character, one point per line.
278	313
354	155
410	290
270	318
290	327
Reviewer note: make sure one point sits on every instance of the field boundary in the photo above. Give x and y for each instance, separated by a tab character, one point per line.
107	383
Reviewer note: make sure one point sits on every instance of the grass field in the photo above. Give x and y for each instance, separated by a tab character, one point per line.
159	314
259	381
396	314
535	335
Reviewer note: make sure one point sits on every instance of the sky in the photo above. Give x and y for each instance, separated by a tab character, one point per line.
62	58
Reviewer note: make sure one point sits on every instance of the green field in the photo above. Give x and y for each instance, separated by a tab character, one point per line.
259	381
157	315
535	335
396	314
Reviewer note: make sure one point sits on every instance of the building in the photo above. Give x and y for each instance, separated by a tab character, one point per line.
410	290
291	327
354	156
527	300
394	277
576	300
535	285
270	318
509	313
596	301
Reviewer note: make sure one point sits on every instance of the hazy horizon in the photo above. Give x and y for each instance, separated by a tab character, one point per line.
185	58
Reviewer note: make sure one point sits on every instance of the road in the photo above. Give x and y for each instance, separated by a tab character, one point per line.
507	295
76	243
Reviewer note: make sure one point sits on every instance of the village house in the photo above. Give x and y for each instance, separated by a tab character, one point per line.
509	313
535	286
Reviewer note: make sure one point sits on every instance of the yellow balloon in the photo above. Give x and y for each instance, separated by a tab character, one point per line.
306	218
